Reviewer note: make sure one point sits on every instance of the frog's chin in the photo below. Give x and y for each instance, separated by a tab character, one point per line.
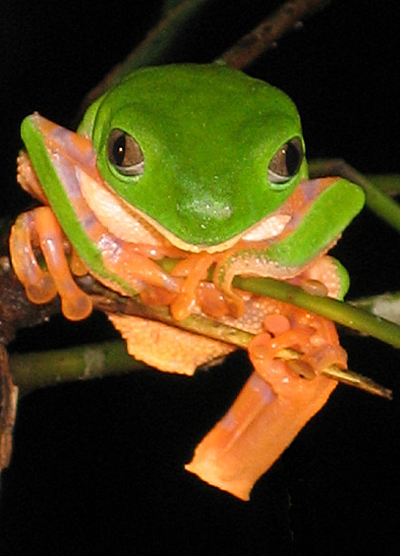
268	228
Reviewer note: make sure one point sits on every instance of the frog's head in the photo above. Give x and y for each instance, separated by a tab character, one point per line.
202	153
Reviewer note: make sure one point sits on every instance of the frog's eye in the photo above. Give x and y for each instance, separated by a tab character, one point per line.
286	162
125	154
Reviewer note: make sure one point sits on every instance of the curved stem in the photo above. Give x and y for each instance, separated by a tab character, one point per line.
379	202
264	36
338	311
49	368
388	183
341	312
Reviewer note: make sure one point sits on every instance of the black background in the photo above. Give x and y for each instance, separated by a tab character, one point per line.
98	466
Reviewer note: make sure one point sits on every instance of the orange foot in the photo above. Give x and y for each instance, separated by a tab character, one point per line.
39	229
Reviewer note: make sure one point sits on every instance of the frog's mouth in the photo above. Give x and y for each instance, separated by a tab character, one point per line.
314	215
134	226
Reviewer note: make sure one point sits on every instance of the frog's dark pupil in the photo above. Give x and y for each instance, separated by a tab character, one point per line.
292	158
119	150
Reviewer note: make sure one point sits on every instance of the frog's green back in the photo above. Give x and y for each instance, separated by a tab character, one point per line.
208	134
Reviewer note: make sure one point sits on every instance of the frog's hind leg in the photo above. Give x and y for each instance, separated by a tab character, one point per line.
39	228
275	403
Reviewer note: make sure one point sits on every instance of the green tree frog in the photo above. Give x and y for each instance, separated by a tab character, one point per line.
204	165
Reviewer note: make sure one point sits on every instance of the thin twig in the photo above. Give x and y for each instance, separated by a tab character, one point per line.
379	202
49	368
265	35
332	309
152	50
388	183
338	311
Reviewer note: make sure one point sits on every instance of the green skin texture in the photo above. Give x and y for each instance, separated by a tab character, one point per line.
208	134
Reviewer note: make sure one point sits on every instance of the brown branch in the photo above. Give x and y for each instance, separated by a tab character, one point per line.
8	408
16	311
161	37
265	35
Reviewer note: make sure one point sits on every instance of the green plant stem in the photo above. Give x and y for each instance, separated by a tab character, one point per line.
379	202
37	370
388	183
338	311
343	313
49	368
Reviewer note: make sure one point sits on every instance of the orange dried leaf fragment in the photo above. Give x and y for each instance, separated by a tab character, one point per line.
258	428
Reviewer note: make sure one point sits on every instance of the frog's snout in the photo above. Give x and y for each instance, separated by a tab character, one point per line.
206	209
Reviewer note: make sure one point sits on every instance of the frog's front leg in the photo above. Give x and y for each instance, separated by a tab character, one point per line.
39	228
276	402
